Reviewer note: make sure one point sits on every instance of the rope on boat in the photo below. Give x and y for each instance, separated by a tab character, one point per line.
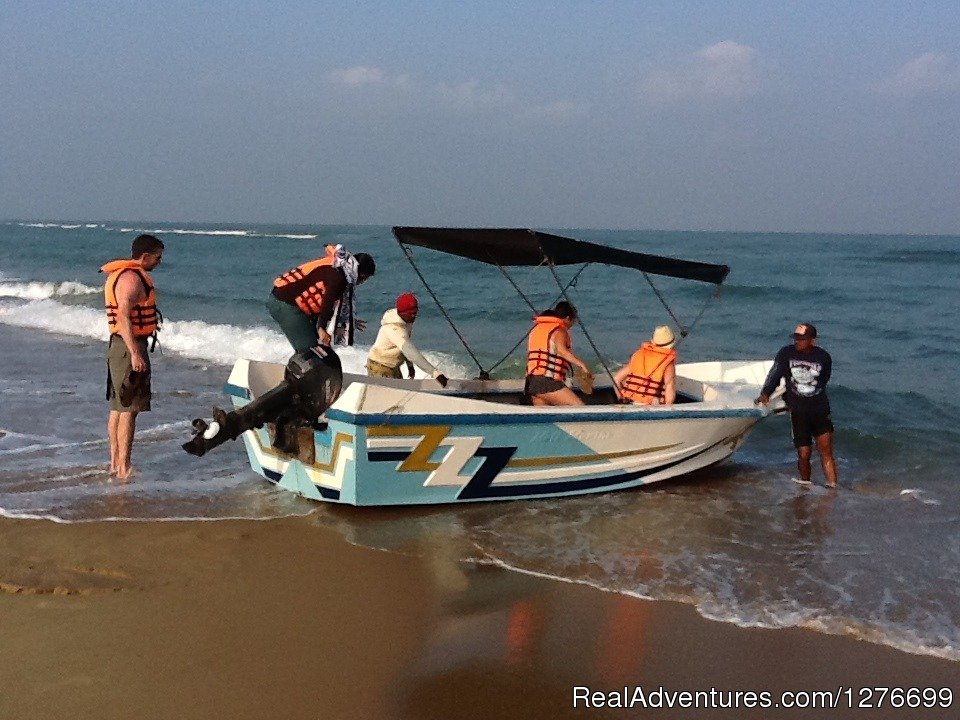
684	329
484	375
572	283
715	295
563	291
520	293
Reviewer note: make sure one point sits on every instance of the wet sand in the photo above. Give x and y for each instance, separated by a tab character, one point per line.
285	619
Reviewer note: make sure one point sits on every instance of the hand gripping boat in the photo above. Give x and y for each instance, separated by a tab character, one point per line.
403	442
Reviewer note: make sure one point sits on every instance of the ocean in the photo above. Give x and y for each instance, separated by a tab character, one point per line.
879	559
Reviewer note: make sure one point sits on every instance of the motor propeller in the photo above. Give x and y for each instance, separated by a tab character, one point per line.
312	381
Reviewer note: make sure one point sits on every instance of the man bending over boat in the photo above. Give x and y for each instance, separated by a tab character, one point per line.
549	356
132	318
650	376
394	346
806	370
304	299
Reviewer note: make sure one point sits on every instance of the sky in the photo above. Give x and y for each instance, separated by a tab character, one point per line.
832	116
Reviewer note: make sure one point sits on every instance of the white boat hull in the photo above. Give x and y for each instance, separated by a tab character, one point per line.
400	442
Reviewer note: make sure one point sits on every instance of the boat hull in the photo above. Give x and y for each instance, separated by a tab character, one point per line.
396	443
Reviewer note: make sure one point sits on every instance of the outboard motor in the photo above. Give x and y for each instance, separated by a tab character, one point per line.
311	383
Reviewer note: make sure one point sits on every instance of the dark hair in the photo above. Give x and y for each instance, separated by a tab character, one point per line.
143	244
562	309
365	264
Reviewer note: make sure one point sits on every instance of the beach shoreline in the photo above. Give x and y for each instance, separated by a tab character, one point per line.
286	618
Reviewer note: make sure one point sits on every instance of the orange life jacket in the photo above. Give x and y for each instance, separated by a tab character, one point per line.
144	316
308	293
547	335
644	381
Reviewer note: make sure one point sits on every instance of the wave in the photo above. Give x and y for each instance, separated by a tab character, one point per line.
43	290
51	516
304	236
217	233
925	256
173	231
217	343
60	226
182	231
935	641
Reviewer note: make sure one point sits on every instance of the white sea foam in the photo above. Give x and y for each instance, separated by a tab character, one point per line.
174	231
49	315
183	231
221	344
305	236
178	231
43	290
918	494
52	225
938	643
220	233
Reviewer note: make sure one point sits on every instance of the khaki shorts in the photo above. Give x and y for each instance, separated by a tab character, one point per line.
136	387
375	369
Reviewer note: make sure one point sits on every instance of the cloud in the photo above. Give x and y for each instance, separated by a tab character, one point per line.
364	75
470	97
725	70
929	73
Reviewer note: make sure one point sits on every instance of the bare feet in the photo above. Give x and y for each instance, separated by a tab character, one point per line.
124	473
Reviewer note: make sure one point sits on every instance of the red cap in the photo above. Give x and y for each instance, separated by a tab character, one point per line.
407	303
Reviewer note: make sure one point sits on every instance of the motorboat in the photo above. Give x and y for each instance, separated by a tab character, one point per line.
382	441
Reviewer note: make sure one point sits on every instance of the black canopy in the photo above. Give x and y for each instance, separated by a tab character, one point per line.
505	246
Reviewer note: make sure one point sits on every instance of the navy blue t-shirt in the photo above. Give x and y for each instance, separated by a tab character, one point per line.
806	373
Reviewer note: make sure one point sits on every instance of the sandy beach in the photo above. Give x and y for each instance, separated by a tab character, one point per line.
283	618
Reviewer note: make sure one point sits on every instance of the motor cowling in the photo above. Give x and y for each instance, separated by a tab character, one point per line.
316	378
312	381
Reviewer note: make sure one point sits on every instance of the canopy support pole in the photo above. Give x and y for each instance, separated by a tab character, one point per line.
573	282
713	296
484	375
563	291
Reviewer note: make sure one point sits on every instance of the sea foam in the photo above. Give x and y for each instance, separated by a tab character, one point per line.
217	343
43	290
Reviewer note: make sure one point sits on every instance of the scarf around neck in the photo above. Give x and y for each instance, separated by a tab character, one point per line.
343	328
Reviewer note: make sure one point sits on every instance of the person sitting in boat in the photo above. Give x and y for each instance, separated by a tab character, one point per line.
549	356
394	346
650	376
304	299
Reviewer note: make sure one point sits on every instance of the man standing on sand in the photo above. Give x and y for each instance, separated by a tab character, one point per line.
806	369
132	317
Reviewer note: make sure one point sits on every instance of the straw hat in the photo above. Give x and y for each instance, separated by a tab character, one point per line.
663	337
